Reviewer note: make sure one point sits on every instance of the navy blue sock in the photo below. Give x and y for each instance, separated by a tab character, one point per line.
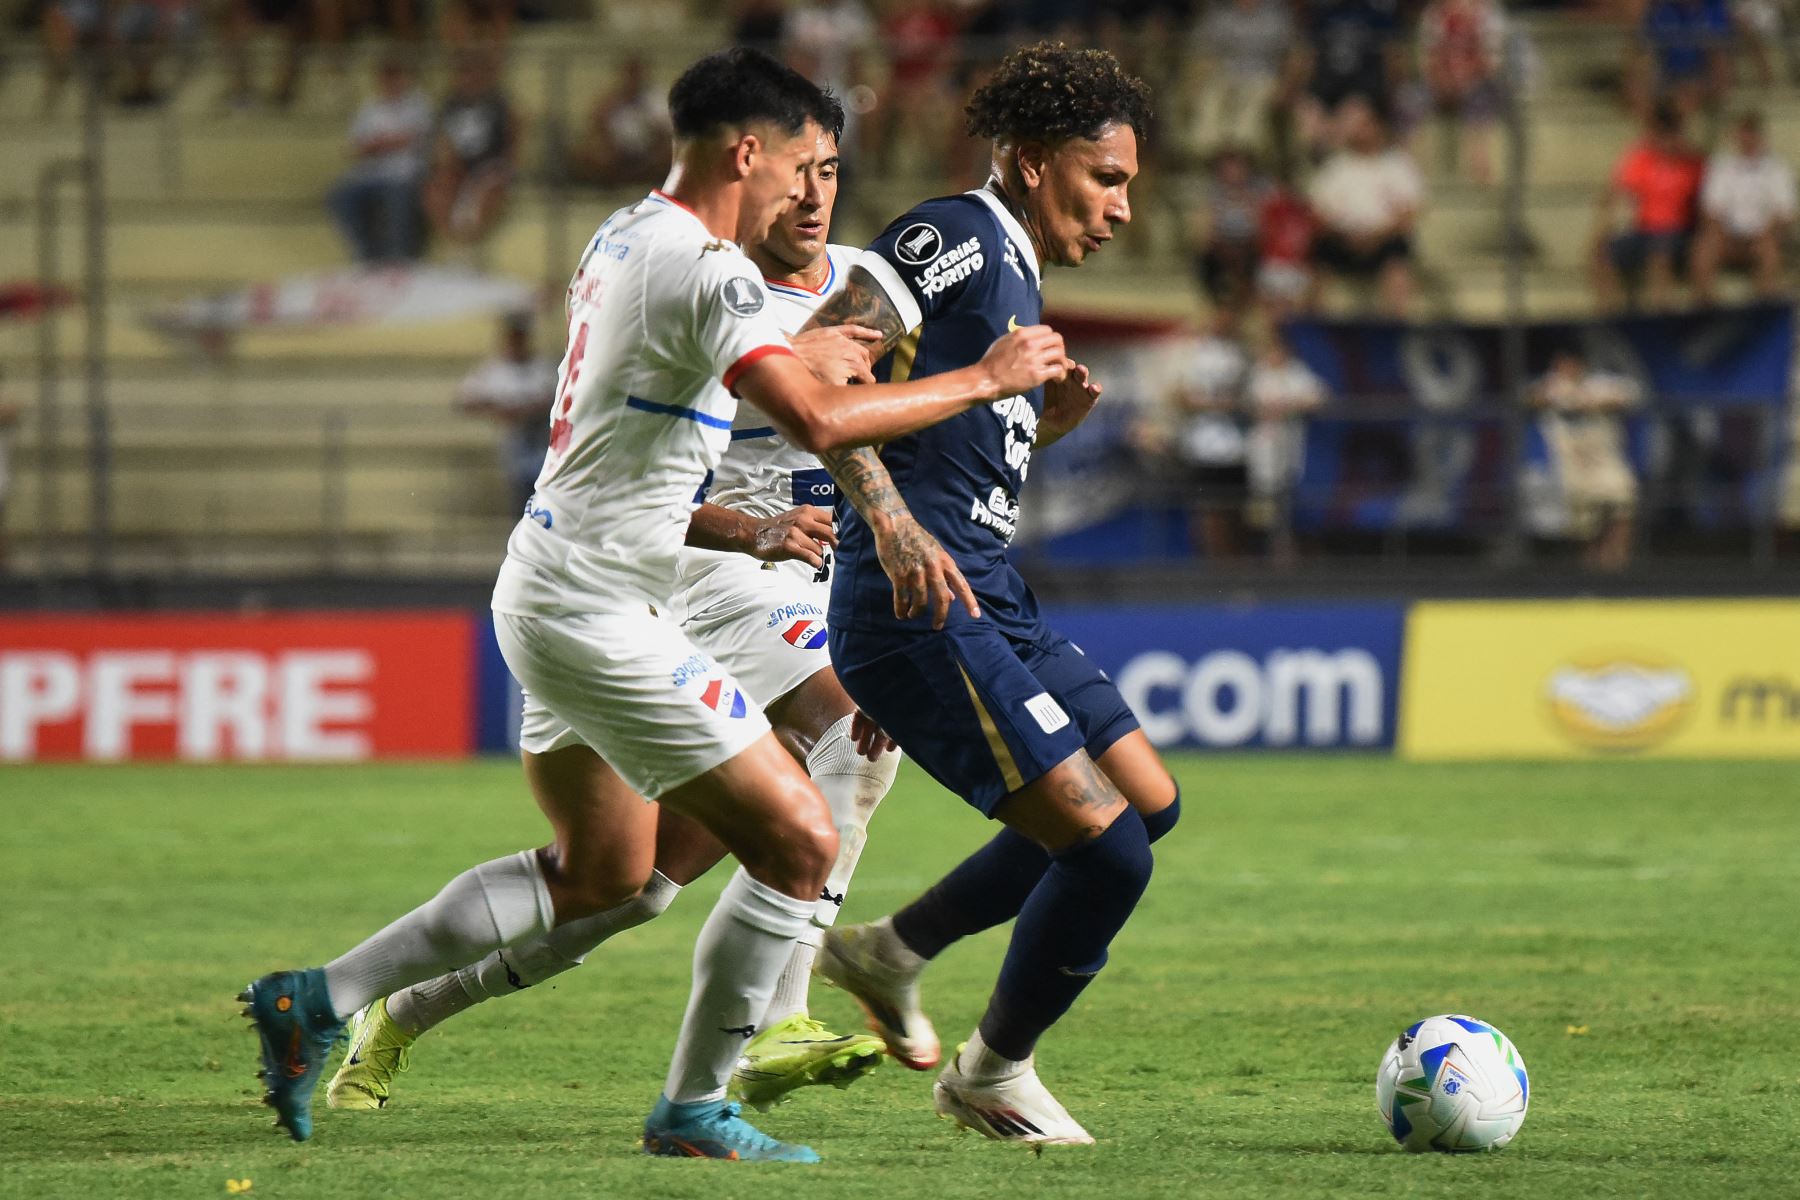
1060	942
1160	822
989	887
984	890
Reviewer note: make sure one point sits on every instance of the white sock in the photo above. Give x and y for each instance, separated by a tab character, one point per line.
791	988
526	962
482	909
977	1061
853	787
742	949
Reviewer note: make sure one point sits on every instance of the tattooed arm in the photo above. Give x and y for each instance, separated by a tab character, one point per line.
923	573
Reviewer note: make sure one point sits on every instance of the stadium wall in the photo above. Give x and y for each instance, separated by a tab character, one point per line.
1428	680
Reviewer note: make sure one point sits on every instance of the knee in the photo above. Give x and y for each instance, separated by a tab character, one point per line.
583	889
1159	823
1120	857
799	847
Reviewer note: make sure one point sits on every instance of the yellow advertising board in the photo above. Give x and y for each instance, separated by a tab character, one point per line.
1599	678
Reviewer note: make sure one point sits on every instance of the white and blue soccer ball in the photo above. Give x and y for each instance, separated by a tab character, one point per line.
1454	1084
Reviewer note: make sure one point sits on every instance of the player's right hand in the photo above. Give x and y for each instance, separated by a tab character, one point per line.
1024	358
799	533
838	353
923	573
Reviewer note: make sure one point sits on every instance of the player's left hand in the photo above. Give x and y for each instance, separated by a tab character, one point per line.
798	534
838	353
1067	402
871	741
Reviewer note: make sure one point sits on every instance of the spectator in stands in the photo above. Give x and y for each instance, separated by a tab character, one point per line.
1230	242
1352	50
1758	24
1746	209
515	388
1582	419
628	132
1209	439
1682	56
9	420
758	23
299	22
1660	177
377	202
1246	49
1461	44
72	29
148	32
919	37
1367	198
477	148
826	40
1281	392
479	23
1284	232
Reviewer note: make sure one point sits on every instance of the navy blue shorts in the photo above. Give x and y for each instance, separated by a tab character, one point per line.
984	712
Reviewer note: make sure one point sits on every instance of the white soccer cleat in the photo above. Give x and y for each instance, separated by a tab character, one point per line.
874	966
1009	1107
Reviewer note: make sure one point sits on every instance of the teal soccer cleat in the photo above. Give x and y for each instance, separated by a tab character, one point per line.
295	1022
713	1129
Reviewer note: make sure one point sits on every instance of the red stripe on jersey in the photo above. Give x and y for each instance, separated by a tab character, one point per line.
662	195
749	360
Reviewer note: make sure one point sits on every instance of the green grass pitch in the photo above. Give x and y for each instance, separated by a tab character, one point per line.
1631	925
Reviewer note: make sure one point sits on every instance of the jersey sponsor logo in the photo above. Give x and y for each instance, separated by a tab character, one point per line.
1000	513
1020	420
952	266
805	635
1047	712
742	296
918	244
538	513
789	612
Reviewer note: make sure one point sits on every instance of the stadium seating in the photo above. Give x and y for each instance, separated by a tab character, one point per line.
222	460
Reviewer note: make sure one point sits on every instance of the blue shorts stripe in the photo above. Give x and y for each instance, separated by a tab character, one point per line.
671	410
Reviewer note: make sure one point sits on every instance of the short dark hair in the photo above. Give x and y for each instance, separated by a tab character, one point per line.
1050	92
740	86
830	115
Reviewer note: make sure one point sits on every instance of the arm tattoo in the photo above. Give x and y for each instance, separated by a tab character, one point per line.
866	484
861	301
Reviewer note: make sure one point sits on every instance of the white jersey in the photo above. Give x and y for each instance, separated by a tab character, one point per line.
663	317
762	473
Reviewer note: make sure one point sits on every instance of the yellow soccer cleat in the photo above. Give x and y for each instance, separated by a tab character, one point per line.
795	1052
379	1050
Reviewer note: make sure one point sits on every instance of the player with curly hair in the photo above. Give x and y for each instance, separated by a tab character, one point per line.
996	705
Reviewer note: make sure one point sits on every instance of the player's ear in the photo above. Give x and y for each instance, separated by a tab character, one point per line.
744	153
1034	162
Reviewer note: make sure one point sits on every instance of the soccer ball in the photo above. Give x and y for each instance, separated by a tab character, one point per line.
1454	1084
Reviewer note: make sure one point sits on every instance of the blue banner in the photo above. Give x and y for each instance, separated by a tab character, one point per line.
1278	676
1414	434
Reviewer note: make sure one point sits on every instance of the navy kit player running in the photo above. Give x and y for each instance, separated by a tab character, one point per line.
990	700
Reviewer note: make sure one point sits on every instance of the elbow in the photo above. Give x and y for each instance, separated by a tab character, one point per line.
816	433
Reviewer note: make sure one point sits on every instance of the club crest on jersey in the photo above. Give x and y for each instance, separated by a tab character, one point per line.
918	244
805	635
723	697
742	296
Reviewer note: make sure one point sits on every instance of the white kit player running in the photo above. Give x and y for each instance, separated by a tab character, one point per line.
763	621
668	322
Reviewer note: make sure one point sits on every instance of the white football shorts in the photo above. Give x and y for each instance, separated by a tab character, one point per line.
631	685
765	622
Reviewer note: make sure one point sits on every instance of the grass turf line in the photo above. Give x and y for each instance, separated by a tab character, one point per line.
1304	910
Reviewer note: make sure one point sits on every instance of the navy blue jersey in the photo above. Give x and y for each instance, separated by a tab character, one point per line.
962	272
